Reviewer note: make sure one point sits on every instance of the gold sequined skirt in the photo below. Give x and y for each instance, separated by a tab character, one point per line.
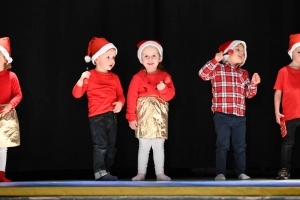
9	129
152	118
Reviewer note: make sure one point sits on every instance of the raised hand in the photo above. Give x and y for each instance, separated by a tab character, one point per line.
84	78
219	56
255	78
161	85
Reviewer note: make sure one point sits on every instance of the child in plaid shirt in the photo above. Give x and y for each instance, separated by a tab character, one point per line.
230	87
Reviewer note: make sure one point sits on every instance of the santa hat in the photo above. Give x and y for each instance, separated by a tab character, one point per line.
97	47
145	43
293	44
5	48
230	45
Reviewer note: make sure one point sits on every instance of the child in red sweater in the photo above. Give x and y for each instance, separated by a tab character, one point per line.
105	99
287	92
10	97
147	108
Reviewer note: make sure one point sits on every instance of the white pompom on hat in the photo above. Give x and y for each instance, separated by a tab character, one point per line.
97	47
293	44
145	43
5	48
230	45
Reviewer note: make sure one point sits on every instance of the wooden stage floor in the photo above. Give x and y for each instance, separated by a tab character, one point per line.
175	189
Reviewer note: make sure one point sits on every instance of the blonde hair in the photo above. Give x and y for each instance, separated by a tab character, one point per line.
6	65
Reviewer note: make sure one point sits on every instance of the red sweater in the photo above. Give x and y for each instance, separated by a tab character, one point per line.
143	84
10	90
288	81
102	91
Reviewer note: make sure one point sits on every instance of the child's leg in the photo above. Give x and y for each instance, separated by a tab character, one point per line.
143	156
159	159
112	138
238	130
288	143
3	157
222	127
98	126
158	155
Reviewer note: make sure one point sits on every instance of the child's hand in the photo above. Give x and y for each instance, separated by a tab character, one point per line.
84	76
255	78
219	56
161	85
133	125
6	109
278	116
118	106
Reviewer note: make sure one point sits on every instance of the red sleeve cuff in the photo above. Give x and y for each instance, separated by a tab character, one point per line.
214	61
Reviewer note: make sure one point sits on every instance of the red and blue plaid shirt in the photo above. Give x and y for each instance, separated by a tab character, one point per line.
230	87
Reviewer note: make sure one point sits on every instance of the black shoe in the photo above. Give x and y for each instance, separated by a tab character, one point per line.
107	177
283	174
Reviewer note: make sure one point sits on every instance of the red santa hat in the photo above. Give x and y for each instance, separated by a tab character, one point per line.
5	48
145	43
230	45
97	47
293	44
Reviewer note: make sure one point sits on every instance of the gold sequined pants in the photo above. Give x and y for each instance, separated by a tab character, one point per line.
9	129
152	117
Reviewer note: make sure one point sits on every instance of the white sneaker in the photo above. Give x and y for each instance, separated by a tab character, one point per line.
243	177
220	177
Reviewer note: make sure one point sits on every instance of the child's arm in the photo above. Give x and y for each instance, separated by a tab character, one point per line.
16	95
207	71
120	98
252	86
277	101
166	88
132	96
78	90
16	91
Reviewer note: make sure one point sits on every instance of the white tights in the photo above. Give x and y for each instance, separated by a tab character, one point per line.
158	154
3	156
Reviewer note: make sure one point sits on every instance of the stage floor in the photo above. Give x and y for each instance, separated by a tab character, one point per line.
146	189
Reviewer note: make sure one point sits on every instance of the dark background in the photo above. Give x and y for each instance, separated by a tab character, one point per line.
49	40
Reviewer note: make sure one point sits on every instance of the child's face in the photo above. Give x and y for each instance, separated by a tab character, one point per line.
105	62
3	61
150	58
296	55
238	55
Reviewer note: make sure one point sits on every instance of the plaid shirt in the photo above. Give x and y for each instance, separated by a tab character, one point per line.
230	87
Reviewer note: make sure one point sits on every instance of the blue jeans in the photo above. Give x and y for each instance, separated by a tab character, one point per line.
226	126
104	136
288	142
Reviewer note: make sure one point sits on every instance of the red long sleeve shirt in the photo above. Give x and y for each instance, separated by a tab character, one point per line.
10	90
288	81
144	84
102	91
230	87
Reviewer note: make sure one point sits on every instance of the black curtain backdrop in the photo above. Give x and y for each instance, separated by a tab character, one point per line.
49	40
